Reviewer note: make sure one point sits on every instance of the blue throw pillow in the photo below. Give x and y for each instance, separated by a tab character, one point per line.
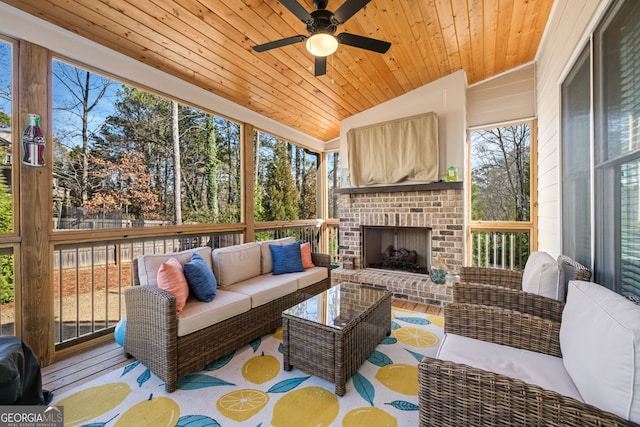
286	258
202	283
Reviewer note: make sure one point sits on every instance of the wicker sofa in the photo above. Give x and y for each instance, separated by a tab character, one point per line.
248	304
500	367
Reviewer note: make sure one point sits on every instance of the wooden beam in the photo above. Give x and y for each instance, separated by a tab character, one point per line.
35	208
248	183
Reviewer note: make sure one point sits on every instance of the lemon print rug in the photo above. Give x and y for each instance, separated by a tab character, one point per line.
249	387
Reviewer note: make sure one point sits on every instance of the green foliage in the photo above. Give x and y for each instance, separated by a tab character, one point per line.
282	203
6	226
5	119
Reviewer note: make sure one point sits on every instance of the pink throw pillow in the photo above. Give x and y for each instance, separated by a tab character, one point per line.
171	279
305	251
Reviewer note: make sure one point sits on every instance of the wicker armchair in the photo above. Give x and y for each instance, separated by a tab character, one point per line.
452	394
502	288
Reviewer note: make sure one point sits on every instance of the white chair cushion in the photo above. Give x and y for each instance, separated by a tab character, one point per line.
309	276
542	275
266	288
198	315
148	265
539	369
600	343
267	259
234	264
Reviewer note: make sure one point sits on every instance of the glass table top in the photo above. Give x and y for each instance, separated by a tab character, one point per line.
337	306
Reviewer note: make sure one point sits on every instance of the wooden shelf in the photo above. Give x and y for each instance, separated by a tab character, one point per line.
432	186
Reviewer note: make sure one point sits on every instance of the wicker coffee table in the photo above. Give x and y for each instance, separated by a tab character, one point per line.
331	334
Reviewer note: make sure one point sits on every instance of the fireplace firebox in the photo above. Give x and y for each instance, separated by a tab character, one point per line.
397	248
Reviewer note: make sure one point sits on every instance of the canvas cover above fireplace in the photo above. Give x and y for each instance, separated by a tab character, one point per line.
397	248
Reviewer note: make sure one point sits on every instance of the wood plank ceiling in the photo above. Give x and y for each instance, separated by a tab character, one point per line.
208	43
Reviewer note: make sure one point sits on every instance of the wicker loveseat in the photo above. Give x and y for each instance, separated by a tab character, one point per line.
498	367
248	304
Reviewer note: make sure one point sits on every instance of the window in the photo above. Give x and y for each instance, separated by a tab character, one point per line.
576	162
500	218
333	178
124	157
614	86
286	177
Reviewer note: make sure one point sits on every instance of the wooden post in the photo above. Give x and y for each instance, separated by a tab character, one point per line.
248	183
35	207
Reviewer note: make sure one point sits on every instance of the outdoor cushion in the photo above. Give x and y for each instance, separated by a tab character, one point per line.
600	343
171	279
267	260
149	264
200	278
542	275
236	263
540	369
286	258
309	276
198	314
265	288
305	249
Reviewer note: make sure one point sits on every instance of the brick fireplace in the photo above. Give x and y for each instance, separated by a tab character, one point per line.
437	206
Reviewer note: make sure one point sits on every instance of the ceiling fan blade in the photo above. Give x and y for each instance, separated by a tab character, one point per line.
364	42
320	66
348	9
279	43
299	11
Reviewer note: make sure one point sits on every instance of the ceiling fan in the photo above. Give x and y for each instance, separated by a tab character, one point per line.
321	25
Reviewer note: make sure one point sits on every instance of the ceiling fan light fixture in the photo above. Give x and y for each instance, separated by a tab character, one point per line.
322	44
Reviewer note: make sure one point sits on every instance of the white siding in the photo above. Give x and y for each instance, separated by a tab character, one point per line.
565	36
508	97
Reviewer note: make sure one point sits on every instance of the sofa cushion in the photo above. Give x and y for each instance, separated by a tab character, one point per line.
171	279
305	249
286	258
267	260
200	278
600	343
309	276
236	263
148	265
539	369
542	275
198	314
265	288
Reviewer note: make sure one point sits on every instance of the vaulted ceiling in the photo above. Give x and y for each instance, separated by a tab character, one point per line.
209	43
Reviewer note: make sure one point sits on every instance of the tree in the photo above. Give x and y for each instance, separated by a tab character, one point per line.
127	187
281	202
81	94
6	226
500	173
177	180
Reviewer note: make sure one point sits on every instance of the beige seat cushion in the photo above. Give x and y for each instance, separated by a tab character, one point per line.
540	369
265	288
236	263
148	265
309	276
198	315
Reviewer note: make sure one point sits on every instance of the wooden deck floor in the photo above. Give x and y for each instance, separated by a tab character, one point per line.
85	365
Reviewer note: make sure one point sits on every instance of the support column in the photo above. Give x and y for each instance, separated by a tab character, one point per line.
35	204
